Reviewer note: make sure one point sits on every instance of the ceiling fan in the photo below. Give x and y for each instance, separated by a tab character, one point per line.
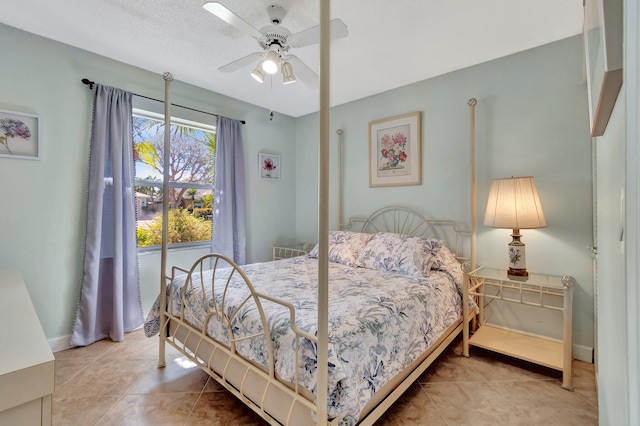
275	42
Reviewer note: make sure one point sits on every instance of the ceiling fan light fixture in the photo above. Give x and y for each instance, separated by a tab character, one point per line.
287	73
258	74
270	63
275	42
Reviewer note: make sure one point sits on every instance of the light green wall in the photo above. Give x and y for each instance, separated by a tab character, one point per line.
610	287
44	202
531	119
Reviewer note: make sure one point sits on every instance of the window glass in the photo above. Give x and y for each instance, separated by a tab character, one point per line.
191	174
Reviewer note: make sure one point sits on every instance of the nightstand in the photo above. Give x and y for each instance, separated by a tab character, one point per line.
285	251
544	291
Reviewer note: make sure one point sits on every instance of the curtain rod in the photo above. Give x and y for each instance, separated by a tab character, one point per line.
91	83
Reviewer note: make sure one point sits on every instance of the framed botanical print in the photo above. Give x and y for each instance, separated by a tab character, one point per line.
269	166
395	151
19	135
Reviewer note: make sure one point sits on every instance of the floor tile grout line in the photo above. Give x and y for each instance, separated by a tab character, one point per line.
197	401
59	385
84	367
541	376
502	381
110	408
124	392
434	404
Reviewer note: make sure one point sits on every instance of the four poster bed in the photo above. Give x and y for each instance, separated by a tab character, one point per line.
293	350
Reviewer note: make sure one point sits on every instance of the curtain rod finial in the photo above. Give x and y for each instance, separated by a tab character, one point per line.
473	102
167	76
88	82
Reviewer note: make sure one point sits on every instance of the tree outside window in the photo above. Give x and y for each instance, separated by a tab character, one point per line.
191	173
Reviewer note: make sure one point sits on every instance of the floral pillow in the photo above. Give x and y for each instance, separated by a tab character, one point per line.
444	259
399	253
344	246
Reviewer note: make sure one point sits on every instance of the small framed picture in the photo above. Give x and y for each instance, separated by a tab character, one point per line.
269	166
19	135
394	151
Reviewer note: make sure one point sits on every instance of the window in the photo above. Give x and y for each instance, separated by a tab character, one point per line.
191	170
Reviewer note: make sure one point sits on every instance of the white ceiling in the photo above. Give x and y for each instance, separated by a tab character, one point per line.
390	43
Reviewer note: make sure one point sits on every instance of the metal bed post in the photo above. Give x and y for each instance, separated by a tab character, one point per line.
323	237
568	283
339	133
168	78
465	293
472	141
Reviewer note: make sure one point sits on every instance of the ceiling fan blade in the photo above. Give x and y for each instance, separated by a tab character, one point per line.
337	29
242	62
302	72
231	18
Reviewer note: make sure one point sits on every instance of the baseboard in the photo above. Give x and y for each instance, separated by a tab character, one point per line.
583	353
60	343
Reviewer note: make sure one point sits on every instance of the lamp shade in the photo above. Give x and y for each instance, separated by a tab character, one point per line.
287	73
258	74
514	203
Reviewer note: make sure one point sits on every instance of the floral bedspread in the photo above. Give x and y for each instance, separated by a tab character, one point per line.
379	322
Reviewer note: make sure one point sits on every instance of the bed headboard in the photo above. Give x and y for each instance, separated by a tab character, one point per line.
408	221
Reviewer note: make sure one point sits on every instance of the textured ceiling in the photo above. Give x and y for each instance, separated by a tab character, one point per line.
390	43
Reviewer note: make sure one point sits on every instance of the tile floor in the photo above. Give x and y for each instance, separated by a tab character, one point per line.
118	384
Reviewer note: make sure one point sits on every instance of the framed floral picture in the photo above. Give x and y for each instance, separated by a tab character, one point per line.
19	135
394	151
269	166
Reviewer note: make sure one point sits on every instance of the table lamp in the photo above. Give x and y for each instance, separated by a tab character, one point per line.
514	204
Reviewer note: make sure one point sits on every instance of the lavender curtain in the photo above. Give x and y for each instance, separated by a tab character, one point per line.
110	296
229	234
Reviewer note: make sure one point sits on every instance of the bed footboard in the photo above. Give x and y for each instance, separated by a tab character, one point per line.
253	381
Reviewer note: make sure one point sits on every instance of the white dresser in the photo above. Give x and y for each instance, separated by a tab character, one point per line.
26	360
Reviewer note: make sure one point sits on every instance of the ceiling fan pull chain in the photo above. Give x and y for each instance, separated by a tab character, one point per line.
270	98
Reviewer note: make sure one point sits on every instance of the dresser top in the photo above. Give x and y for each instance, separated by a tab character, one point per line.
22	340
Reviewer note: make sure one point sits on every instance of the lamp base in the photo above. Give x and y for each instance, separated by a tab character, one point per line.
518	272
517	256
